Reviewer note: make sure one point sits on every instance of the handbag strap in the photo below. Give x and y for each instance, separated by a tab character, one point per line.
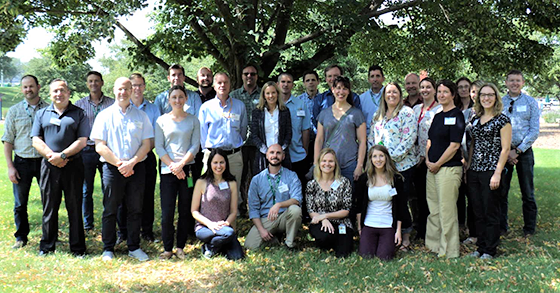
337	126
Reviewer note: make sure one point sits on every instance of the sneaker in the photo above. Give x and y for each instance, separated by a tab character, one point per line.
19	244
486	256
44	253
475	254
107	255
470	240
206	252
138	254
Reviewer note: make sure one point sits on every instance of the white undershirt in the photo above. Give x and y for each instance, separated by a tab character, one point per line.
271	127
380	207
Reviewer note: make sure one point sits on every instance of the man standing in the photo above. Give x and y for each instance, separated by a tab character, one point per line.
26	163
223	124
123	137
310	82
204	78
92	105
371	98
176	76
412	87
274	198
147	231
524	114
326	99
59	134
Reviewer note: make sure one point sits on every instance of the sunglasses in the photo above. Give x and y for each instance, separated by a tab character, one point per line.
250	73
511	106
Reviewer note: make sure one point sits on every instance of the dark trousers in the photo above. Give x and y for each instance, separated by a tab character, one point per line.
116	190
341	243
53	182
486	207
407	189
378	242
198	165
27	170
223	241
91	162
172	191
471	218
422	209
301	168
525	173
249	152
462	204
147	226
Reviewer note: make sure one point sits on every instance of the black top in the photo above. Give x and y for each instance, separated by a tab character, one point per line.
447	127
203	98
399	201
487	142
60	131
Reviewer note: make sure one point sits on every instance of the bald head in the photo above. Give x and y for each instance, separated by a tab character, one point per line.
275	155
122	90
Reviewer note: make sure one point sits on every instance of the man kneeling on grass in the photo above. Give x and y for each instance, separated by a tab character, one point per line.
274	198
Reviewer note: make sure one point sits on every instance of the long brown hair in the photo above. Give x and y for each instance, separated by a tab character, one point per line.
479	110
262	100
390	168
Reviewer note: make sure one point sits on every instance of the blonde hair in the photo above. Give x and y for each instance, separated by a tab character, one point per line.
390	168
262	101
498	105
380	114
317	173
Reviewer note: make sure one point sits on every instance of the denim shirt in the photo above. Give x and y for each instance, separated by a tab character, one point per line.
261	196
524	120
370	103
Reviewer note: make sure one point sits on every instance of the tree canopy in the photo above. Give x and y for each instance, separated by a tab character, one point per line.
444	37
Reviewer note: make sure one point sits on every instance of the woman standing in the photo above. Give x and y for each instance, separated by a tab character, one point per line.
329	200
342	127
394	126
463	99
270	124
443	160
424	115
177	140
214	206
491	140
383	204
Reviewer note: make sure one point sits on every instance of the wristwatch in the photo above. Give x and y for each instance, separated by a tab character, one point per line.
63	156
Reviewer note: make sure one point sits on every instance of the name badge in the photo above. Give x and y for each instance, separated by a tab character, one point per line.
342	229
283	188
301	113
450	121
393	191
335	185
256	101
55	121
235	117
223	185
522	108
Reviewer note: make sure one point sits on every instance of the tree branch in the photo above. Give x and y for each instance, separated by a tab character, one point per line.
229	20
393	8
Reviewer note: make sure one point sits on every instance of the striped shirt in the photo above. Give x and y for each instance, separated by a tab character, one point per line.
17	128
91	109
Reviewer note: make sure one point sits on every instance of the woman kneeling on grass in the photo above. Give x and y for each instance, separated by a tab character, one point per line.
383	204
214	207
329	199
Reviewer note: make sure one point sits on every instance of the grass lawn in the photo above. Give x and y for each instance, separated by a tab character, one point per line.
524	265
10	97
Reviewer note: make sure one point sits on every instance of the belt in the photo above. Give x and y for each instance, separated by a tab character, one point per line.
75	157
229	152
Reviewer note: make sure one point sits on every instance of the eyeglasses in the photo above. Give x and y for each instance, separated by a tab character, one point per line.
250	73
487	95
511	106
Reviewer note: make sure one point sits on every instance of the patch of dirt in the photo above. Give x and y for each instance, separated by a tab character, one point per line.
549	136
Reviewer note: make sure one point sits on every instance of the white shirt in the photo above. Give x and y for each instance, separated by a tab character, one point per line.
271	126
380	207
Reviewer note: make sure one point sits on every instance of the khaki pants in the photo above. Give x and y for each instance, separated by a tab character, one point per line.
442	229
289	221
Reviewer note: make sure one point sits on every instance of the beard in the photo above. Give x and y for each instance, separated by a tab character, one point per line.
279	162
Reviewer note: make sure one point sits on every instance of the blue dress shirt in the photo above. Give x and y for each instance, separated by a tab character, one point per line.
222	126
192	106
309	103
261	196
524	120
150	109
370	103
300	121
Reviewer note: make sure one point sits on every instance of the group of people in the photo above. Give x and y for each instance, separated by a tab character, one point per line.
343	162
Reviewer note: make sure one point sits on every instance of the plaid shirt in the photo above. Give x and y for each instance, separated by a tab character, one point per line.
17	128
91	110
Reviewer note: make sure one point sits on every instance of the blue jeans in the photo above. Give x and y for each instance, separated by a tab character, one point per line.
223	241
27	169
91	163
525	173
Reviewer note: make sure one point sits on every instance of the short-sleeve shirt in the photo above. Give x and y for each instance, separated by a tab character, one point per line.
487	143
323	202
123	132
60	131
447	127
343	140
17	128
91	109
150	109
222	126
176	139
301	120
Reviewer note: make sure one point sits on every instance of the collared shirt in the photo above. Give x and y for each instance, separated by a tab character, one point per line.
325	100
251	100
370	103
123	132
150	109
300	121
524	120
418	102
309	103
192	106
424	126
222	126
60	131
262	195
91	109
17	128
203	98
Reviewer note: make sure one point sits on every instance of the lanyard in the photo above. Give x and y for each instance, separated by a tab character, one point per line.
422	113
96	109
229	112
274	185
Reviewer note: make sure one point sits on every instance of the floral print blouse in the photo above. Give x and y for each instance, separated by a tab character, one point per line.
398	134
322	202
424	126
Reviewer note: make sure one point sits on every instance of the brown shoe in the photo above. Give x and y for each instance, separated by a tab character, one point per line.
180	253
166	255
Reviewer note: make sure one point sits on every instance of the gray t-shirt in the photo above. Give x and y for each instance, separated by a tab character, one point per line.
344	138
176	139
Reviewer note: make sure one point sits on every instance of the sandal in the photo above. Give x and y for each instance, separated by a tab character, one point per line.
166	255
403	248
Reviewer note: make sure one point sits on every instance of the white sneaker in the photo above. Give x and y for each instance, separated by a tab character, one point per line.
107	255
138	254
486	256
475	254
